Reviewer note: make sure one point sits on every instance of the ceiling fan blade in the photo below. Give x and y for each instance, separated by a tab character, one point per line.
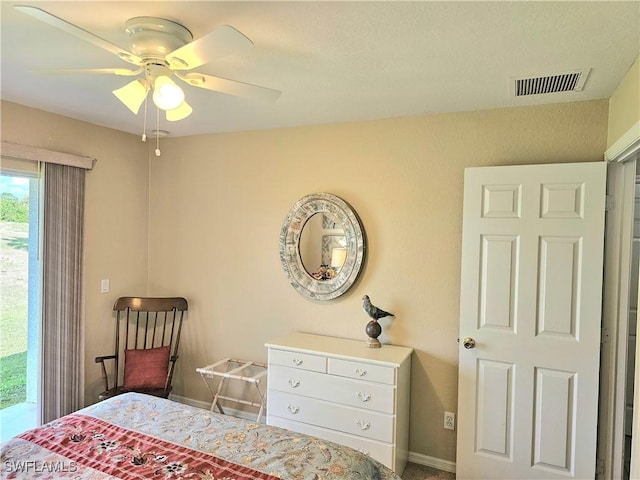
230	87
102	71
132	95
65	26
183	111
220	42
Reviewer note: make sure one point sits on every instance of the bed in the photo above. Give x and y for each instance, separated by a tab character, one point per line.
134	436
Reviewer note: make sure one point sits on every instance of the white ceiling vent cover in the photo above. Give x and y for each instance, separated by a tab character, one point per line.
572	81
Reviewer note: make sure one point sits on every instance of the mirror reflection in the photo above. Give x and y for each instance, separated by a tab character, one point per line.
322	246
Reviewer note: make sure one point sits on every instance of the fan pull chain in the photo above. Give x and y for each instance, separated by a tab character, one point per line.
157	132
144	126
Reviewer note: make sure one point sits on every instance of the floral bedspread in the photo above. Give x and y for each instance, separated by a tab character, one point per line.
138	436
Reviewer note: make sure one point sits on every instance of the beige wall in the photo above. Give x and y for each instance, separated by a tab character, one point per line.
624	105
116	215
217	203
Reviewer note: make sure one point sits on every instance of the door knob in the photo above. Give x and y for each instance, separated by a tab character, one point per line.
468	343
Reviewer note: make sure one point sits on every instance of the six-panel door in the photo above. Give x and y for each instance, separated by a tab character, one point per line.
531	300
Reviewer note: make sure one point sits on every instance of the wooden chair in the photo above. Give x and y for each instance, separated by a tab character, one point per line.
146	346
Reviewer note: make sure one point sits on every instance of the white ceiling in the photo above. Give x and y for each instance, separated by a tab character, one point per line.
333	61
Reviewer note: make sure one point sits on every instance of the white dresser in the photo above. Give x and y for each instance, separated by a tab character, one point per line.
340	390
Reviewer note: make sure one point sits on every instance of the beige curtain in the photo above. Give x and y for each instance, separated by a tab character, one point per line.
62	295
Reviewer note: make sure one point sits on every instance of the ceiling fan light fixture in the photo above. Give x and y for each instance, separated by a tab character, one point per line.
132	95
183	111
166	94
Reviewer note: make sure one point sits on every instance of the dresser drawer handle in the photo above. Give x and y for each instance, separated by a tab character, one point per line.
294	383
364	397
293	409
297	361
360	372
363	425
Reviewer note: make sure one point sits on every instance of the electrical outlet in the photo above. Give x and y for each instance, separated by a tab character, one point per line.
449	421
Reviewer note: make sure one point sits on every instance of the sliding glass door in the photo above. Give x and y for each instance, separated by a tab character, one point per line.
20	279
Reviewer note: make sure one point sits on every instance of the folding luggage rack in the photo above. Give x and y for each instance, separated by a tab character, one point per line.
234	369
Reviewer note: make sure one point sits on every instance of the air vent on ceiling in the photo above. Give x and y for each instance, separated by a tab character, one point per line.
572	81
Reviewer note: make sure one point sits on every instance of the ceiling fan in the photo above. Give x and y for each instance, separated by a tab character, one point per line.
161	49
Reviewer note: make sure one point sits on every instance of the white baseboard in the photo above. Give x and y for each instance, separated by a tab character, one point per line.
418	458
432	462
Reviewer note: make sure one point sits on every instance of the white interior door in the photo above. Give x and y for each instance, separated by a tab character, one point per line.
531	287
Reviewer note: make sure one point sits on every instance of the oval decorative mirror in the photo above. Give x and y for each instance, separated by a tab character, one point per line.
322	246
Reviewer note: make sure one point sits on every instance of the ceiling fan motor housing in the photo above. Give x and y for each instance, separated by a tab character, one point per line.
153	38
154	69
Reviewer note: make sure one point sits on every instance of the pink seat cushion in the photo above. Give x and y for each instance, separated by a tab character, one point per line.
146	369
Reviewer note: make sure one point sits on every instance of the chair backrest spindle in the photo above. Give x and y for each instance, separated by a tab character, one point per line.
153	335
135	342
173	323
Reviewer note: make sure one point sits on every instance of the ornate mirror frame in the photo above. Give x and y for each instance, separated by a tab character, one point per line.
291	232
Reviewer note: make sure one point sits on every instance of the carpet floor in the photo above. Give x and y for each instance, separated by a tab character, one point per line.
421	472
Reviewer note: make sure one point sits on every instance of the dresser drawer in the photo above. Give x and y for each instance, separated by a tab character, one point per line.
381	451
362	371
303	361
368	395
356	421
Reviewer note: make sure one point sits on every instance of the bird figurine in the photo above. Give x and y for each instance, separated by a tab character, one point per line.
373	328
373	311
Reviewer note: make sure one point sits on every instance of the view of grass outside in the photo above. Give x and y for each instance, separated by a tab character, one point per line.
14	257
